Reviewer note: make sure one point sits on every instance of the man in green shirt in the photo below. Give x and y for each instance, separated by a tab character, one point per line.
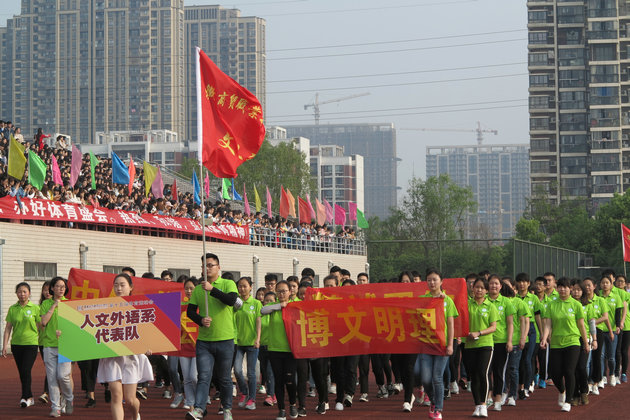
210	307
526	368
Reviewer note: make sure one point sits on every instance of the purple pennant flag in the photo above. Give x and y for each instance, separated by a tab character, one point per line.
310	206
268	203
246	203
329	212
157	188
75	166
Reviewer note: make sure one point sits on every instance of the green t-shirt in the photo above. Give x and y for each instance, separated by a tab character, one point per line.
614	301
534	305
222	326
520	309
626	298
449	310
480	316
277	335
264	330
50	330
245	321
564	315
595	309
24	321
504	309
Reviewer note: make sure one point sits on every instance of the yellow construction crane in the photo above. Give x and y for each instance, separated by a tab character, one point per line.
477	130
316	103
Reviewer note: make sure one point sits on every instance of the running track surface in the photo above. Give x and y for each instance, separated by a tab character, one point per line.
612	403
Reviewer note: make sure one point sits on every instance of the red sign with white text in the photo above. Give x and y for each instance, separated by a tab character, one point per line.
46	210
454	288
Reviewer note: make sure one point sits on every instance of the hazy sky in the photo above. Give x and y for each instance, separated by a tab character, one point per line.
443	64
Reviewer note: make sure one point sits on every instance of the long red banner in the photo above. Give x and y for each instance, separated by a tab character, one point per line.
454	288
365	326
46	210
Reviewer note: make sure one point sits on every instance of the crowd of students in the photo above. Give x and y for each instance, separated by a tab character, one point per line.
523	336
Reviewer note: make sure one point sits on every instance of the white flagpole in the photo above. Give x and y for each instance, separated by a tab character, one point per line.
200	157
623	245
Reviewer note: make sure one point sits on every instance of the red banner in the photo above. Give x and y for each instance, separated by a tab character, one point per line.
189	333
86	284
45	210
454	288
365	326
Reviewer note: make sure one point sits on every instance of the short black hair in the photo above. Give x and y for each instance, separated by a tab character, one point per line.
271	277
308	271
211	256
344	272
331	277
166	273
335	269
522	277
363	275
54	281
131	270
542	279
348	282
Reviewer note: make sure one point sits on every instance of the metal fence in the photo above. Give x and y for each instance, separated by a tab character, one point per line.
318	243
537	259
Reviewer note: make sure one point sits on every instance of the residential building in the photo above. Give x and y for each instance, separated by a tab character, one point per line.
497	174
579	74
376	143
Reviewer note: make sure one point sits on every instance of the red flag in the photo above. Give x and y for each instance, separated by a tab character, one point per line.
352	209
340	215
230	126
305	211
284	204
132	174
625	235
291	204
321	213
174	191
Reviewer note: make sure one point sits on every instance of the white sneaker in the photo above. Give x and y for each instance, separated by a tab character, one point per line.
561	399
613	380
339	406
483	411
363	397
406	407
489	401
531	388
511	402
332	389
601	383
566	407
454	387
605	380
476	412
595	389
503	398
497	406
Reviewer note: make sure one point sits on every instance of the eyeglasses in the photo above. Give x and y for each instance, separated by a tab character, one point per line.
282	291
211	265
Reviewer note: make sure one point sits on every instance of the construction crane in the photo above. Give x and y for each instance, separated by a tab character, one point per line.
316	103
477	130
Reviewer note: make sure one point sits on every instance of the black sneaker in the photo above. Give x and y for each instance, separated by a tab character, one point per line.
142	394
521	394
302	412
91	403
447	393
293	412
282	415
220	410
321	408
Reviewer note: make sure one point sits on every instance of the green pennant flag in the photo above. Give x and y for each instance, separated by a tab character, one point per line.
227	184
17	160
361	222
150	172
93	162
36	170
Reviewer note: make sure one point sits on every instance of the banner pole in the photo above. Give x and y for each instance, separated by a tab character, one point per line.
203	236
200	158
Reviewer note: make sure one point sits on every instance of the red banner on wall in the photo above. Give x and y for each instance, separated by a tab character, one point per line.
454	288
86	284
331	328
46	210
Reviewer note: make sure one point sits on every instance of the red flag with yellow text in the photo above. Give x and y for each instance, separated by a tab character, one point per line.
230	126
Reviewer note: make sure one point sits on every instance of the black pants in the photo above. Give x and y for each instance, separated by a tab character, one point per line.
41	353
625	345
596	357
382	369
263	358
407	363
542	363
618	355
89	368
345	369
24	357
284	367
563	363
581	376
497	368
396	360
453	362
319	367
477	362
364	372
302	380
161	369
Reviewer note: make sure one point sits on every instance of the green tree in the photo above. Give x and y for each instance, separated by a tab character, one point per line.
188	166
529	230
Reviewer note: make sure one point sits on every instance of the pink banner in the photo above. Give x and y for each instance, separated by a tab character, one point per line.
46	210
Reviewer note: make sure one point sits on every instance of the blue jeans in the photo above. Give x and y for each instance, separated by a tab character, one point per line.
248	388
531	348
173	362
432	376
608	355
511	374
189	371
209	353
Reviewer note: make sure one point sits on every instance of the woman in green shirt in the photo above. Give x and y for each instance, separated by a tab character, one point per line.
563	327
624	340
578	292
615	310
598	308
282	361
59	374
23	319
482	323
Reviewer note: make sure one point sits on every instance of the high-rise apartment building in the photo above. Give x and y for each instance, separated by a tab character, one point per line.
579	75
376	143
235	43
498	175
82	66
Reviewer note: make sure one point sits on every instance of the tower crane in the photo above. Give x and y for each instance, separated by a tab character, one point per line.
477	130
317	103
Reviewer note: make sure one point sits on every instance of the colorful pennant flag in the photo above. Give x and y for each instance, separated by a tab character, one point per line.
150	172
352	209
625	236
235	195
291	204
120	172
75	166
284	203
340	215
310	206
174	195
246	203
305	212
157	188
17	160
196	189
329	212
225	189
361	221
257	200
93	163
268	203
132	174
56	173
321	213
230	126
36	170
206	185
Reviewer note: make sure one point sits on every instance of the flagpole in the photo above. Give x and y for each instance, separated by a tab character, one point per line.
203	236
200	157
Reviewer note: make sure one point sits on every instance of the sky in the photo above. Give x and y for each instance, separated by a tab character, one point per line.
430	64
